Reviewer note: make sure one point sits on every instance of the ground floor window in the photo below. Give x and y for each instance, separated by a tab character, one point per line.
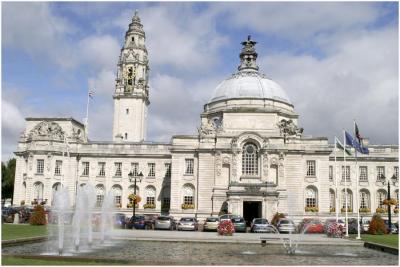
311	198
150	200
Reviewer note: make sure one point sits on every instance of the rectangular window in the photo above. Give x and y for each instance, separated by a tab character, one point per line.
346	173
380	173
117	200
311	168
118	169
57	170
167	169
102	169
152	169
331	173
135	168
85	166
189	166
99	200
188	200
40	166
363	173
150	200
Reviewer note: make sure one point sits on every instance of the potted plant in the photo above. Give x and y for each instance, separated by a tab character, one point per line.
365	210
130	205
381	210
332	209
348	210
226	227
311	209
396	210
391	202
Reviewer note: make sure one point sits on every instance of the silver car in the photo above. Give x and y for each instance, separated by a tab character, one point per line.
164	222
187	223
286	226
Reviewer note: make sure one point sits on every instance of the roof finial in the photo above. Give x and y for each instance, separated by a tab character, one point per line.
248	56
136	12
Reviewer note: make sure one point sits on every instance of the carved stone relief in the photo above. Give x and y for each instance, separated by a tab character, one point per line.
46	129
211	126
265	164
218	163
288	128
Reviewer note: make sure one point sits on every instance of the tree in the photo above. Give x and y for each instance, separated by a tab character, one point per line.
7	178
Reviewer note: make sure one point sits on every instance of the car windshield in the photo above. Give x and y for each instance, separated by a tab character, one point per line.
286	222
163	218
237	220
260	221
212	220
187	219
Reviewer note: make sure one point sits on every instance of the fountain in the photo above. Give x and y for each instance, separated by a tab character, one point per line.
106	216
61	203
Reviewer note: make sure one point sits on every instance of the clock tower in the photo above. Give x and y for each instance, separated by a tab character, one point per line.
131	97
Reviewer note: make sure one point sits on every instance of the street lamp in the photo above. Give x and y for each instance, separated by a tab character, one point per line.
384	181
133	178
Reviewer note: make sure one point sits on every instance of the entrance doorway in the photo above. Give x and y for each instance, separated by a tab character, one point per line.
251	210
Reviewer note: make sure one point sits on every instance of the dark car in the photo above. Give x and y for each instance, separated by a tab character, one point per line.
394	228
240	224
137	222
119	220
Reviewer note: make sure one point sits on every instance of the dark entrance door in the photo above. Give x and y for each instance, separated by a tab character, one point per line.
251	210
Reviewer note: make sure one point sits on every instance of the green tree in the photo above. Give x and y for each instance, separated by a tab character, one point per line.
7	178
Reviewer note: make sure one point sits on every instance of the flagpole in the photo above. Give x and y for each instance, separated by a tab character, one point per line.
87	115
345	182
358	193
336	185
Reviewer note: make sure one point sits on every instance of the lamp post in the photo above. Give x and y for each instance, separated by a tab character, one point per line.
384	181
133	178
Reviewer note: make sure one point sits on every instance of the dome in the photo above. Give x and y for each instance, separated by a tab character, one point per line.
250	84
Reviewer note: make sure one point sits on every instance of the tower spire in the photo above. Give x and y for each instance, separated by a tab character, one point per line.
248	56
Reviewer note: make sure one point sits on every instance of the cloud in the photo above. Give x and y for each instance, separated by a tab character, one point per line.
38	32
103	83
357	81
299	21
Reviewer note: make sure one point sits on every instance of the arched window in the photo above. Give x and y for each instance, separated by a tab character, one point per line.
188	194
100	191
364	199
380	197
150	195
349	199
332	200
131	190
117	193
311	197
250	159
38	191
55	188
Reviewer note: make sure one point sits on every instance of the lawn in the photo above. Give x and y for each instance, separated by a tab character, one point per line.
9	260
14	231
388	240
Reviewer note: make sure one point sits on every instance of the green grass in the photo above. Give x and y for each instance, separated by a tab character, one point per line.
9	260
14	231
388	240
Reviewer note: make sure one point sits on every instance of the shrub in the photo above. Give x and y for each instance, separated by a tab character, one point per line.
226	227
38	217
396	210
381	210
276	218
334	230
377	226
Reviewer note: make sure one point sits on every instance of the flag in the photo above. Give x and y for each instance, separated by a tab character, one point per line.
91	93
354	143
341	146
357	133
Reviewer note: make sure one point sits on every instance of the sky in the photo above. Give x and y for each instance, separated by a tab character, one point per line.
337	61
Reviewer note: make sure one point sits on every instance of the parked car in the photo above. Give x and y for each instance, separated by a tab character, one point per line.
119	220
353	227
394	228
137	222
285	225
239	224
313	227
211	224
333	220
164	222
187	223
365	224
149	220
226	217
260	225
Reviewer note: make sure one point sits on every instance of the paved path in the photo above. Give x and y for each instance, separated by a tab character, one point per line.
190	236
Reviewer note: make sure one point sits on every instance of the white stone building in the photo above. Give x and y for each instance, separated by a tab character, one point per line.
249	158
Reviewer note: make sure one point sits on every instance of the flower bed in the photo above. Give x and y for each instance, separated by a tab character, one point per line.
335	230
149	206
226	227
311	209
187	206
